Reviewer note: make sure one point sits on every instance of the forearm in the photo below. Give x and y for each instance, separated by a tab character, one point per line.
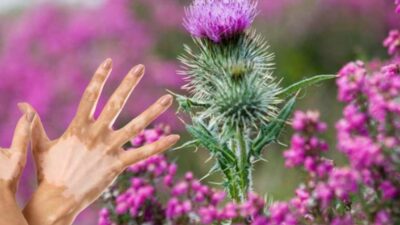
49	207
10	213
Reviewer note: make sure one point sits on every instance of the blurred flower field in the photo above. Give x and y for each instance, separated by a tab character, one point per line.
49	51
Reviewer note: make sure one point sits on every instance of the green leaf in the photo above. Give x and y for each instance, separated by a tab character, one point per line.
270	132
303	84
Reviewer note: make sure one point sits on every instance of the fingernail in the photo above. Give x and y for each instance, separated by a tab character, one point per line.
138	70
166	100
173	138
30	117
107	64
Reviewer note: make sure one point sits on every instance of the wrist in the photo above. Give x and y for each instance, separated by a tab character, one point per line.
7	197
10	213
48	206
6	190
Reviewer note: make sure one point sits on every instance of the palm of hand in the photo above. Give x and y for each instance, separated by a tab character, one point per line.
80	165
10	164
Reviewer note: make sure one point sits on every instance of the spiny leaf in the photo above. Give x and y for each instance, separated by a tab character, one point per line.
208	140
272	130
213	170
303	84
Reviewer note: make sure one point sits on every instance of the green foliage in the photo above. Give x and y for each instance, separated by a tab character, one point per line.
270	132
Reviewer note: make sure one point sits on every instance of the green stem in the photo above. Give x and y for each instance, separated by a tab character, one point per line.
230	176
244	167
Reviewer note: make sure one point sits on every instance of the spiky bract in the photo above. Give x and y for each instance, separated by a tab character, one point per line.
233	79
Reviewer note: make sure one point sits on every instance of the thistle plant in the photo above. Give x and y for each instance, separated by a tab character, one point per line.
236	105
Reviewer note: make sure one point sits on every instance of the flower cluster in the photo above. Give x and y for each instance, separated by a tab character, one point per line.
150	192
218	19
137	195
327	185
368	189
305	146
368	135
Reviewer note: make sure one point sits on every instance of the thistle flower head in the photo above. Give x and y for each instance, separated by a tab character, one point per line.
218	19
234	79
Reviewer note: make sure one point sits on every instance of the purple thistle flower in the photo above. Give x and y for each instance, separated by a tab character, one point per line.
218	19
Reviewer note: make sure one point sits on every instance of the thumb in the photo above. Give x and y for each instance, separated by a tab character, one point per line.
39	135
22	131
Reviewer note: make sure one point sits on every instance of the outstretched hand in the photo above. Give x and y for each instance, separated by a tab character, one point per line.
74	169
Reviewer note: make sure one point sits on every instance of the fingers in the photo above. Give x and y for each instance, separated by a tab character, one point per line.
22	131
135	155
91	96
39	136
134	127
118	99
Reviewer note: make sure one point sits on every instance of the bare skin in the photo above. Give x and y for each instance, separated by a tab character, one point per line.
12	162
74	169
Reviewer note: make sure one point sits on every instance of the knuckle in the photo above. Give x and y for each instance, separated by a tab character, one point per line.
116	104
134	129
154	148
102	127
100	75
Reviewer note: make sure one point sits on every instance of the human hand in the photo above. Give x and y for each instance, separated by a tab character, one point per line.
74	169
12	163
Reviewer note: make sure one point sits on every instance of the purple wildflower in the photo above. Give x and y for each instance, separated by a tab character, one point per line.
324	193
383	218
346	220
389	191
343	181
305	146
281	214
383	92
218	19
392	42
351	80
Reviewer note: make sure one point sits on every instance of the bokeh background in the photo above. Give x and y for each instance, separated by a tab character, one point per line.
50	49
